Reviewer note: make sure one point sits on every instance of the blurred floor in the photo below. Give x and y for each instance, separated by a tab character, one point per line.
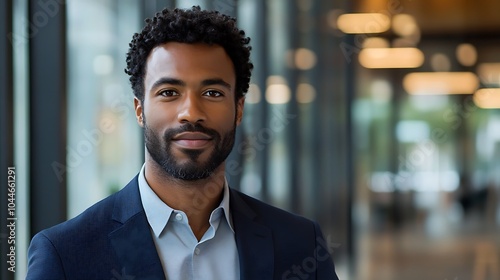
470	250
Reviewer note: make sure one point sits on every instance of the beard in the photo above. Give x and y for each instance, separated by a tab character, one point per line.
160	149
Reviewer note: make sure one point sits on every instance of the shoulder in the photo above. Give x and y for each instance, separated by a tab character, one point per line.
271	216
52	251
92	220
103	216
297	242
83	242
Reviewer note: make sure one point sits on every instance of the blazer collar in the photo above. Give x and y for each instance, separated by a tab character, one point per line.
136	252
132	240
254	241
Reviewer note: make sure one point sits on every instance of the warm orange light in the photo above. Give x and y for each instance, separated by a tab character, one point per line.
305	59
391	58
466	54
428	83
489	73
277	91
363	23
404	25
487	98
376	42
305	93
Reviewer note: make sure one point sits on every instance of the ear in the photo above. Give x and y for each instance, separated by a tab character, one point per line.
239	110
138	111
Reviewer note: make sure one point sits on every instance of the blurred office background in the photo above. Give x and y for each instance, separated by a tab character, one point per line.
377	118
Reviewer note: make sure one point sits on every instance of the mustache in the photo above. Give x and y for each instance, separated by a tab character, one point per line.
190	127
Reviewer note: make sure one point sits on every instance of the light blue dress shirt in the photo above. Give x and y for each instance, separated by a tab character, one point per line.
214	257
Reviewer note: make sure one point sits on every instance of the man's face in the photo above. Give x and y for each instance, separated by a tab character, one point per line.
189	112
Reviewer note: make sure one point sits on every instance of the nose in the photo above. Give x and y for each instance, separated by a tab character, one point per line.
191	110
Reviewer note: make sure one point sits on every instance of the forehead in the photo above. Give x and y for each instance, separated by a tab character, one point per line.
189	62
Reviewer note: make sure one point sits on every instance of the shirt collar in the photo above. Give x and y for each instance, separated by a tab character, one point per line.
158	212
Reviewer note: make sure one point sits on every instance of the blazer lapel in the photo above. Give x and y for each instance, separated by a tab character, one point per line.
132	241
253	240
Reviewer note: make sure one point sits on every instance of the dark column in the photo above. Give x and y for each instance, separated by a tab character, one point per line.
349	157
47	102
260	73
293	128
6	128
337	92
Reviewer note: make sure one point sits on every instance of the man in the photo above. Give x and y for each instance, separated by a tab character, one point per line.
178	218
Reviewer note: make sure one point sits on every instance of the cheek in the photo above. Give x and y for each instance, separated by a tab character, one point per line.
226	119
158	117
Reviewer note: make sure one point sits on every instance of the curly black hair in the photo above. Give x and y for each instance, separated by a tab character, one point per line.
190	26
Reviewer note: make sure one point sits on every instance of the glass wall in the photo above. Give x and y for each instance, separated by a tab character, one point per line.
426	191
104	141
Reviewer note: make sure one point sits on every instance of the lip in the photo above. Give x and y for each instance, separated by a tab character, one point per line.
192	140
192	136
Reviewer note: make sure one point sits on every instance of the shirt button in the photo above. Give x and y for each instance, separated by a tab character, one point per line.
197	251
178	217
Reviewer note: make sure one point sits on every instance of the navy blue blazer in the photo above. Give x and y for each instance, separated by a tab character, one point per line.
112	240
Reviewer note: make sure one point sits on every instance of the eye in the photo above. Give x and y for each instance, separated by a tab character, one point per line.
168	93
213	93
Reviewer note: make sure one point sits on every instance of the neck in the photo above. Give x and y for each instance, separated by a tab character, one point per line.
195	198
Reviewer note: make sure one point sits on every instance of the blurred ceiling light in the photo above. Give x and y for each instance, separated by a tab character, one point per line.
489	73
301	58
425	83
277	91
363	23
375	42
487	98
404	25
440	62
253	95
391	58
305	93
305	59
466	54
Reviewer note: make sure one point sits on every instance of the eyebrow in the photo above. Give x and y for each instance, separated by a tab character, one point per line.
211	82
177	82
170	81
